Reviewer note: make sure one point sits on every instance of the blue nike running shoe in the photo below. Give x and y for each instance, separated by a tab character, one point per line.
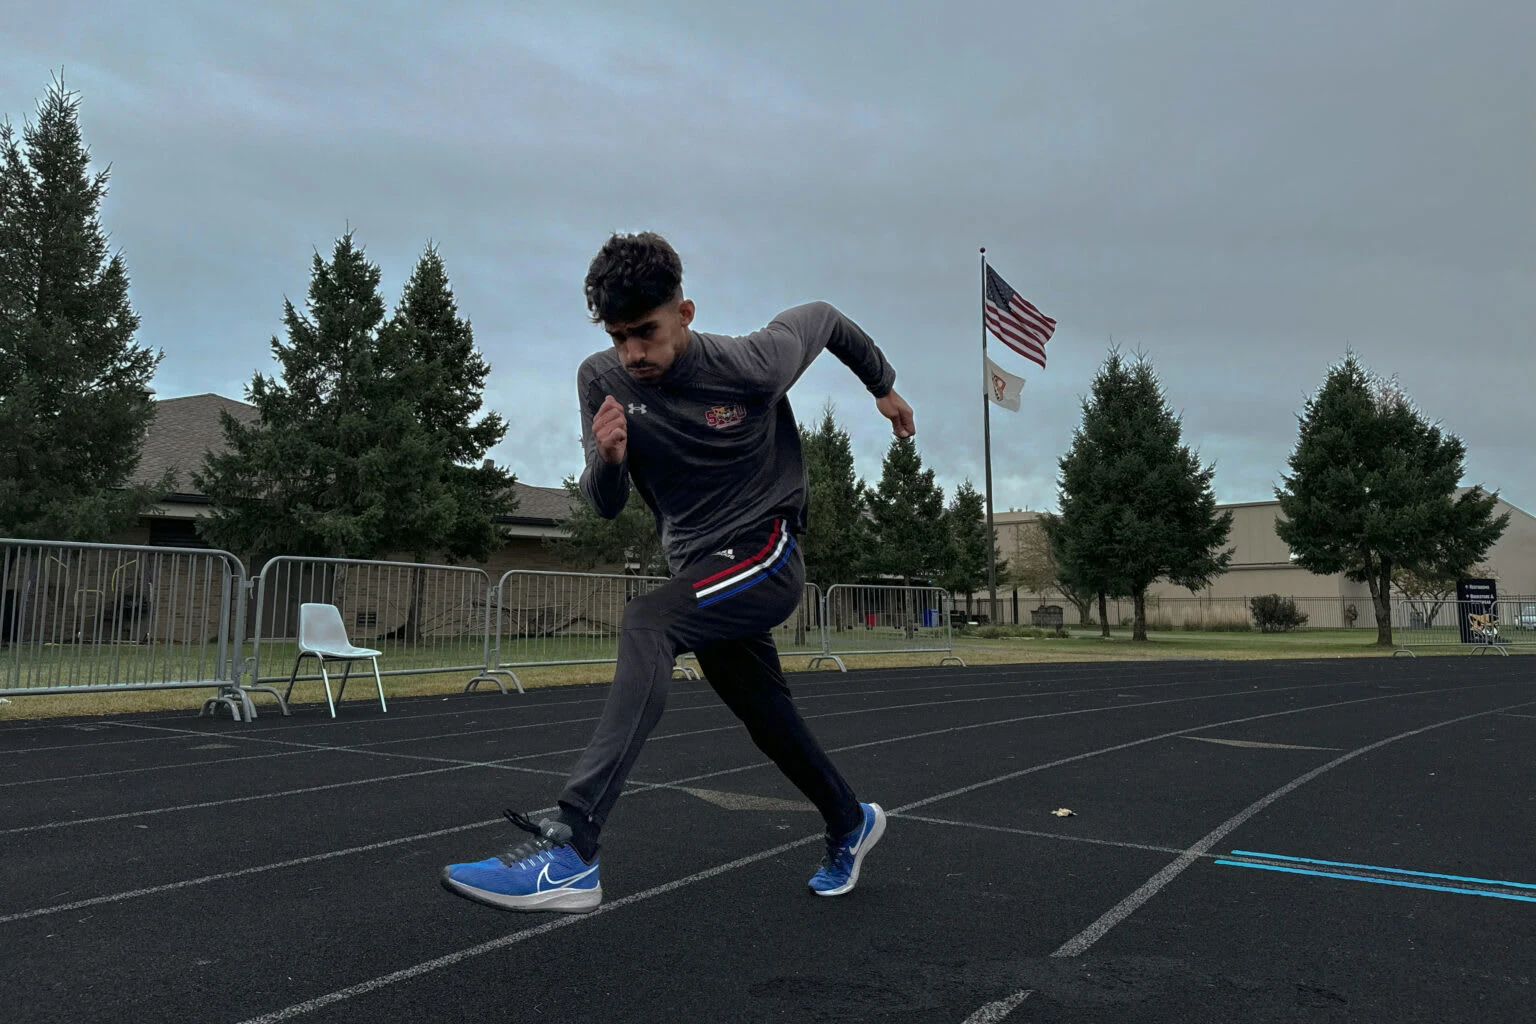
840	867
542	873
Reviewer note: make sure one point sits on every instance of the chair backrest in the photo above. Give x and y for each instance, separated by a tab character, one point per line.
320	626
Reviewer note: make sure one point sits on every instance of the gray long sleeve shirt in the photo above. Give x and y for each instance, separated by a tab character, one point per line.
713	446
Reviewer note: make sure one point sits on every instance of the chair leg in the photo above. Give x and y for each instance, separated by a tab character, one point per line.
292	676
326	677
380	682
345	673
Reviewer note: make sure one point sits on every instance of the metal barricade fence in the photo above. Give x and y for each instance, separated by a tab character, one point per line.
425	619
104	617
1478	626
805	631
862	619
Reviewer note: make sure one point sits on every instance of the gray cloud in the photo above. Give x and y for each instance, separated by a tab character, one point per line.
1242	192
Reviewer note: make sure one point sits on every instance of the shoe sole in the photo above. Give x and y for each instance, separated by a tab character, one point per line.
869	844
565	901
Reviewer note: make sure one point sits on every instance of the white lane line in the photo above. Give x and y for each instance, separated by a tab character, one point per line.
311	1005
308	1006
682	784
1120	911
227	801
994	1012
1254	744
961	681
369	746
153	890
950	823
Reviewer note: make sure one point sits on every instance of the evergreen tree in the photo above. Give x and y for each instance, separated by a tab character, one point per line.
907	511
74	385
1372	490
1081	534
837	537
355	451
965	567
592	542
1153	514
442	378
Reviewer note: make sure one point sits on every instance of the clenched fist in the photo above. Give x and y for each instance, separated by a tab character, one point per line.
611	430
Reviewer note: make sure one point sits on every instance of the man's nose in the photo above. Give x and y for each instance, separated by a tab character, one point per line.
632	350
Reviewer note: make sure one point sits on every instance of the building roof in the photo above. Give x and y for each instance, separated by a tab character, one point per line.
541	505
183	431
186	429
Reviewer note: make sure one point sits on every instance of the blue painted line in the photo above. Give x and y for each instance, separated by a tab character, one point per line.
755	580
1377	867
1379	881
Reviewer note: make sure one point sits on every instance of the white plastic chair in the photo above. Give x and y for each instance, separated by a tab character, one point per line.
323	636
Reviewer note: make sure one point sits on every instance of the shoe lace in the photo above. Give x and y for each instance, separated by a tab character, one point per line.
834	848
539	845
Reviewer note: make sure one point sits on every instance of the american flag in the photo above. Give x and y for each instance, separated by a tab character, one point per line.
1015	320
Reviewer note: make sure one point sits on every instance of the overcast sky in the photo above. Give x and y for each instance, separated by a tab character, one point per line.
1241	191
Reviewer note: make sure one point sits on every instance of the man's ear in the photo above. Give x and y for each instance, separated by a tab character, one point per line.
685	310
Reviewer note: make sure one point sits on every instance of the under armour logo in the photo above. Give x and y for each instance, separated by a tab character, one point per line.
633	408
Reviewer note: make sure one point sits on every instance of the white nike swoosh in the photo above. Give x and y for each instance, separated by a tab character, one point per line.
556	883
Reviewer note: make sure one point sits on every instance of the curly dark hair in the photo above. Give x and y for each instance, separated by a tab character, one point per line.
632	275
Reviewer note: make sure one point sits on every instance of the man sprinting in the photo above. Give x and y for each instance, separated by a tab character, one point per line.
700	424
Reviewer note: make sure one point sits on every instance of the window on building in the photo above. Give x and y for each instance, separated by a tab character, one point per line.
175	533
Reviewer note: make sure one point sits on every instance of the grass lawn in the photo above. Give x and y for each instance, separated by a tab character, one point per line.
1083	645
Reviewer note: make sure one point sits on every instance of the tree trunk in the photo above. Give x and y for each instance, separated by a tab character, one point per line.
1139	631
1084	609
1381	596
1103	616
411	634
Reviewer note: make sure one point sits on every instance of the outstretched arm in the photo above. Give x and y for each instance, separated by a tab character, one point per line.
776	356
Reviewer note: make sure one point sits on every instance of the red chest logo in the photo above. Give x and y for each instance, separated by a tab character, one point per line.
722	416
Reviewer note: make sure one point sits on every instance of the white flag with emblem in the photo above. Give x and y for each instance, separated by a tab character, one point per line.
1003	387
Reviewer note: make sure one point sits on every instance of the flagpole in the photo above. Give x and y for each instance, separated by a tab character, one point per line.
986	422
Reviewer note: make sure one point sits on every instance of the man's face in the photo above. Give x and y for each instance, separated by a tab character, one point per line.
648	346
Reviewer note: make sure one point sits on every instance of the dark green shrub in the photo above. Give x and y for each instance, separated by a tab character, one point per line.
1276	614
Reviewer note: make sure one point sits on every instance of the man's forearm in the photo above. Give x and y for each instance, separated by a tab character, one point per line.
605	485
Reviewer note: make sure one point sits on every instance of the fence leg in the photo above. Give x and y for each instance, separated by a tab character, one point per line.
952	657
818	659
489	676
234	700
282	702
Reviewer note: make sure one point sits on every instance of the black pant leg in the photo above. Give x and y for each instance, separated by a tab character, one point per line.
747	676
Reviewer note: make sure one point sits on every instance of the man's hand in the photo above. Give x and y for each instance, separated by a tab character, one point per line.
895	409
611	430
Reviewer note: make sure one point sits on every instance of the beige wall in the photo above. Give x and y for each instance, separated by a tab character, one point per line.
1513	556
1261	561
